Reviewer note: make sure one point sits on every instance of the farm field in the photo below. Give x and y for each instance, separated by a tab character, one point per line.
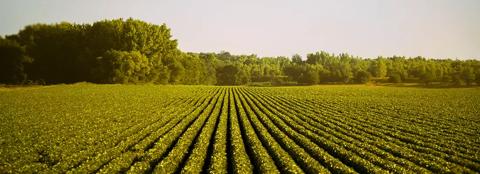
86	128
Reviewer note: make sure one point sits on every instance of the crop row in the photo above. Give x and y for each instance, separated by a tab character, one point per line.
377	137
194	129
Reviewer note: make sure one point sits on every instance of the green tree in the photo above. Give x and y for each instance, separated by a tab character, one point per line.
209	72
12	61
477	78
309	76
297	59
344	72
242	77
363	77
67	53
427	77
226	75
395	78
57	52
107	52
175	68
378	68
125	66
294	72
468	75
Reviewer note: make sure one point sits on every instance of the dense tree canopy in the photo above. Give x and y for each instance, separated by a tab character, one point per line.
133	51
12	60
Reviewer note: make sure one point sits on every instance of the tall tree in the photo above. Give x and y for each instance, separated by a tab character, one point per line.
227	75
12	61
378	68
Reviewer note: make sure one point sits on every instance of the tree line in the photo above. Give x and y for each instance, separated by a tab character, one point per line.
133	51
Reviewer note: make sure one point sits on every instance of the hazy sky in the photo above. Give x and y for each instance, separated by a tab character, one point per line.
367	28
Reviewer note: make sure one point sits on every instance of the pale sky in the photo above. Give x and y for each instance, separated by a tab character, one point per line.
366	28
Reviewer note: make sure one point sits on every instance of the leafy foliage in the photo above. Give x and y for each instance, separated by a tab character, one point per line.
185	129
12	62
146	53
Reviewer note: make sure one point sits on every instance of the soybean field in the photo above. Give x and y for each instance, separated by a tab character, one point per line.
87	128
